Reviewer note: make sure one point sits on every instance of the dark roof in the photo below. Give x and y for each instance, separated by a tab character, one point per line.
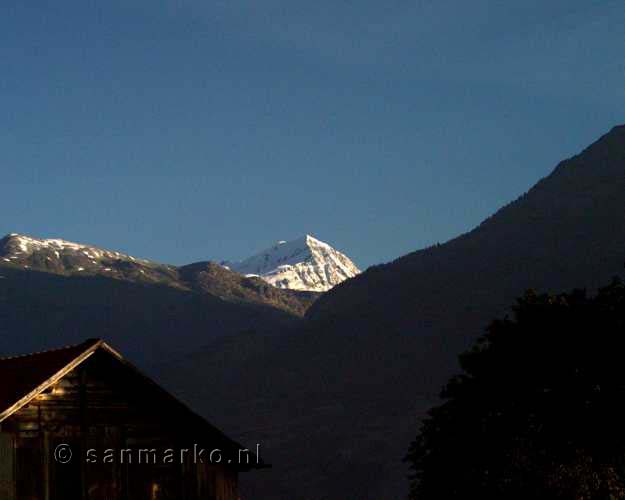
21	375
22	378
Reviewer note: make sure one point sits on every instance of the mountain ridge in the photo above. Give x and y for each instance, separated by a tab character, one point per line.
572	174
376	349
72	259
305	263
371	354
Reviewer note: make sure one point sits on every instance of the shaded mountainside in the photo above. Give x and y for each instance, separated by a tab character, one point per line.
54	292
336	405
149	322
566	231
334	400
211	278
77	260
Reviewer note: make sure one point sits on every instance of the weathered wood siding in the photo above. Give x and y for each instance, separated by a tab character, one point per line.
96	407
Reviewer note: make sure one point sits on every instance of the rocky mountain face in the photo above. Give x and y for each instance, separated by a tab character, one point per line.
214	279
79	260
75	259
54	292
302	264
337	403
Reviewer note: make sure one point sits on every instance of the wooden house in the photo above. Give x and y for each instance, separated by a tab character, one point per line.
82	423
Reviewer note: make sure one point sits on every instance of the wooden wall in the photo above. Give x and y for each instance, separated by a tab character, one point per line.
102	407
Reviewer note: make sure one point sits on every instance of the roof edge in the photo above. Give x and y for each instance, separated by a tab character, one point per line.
93	345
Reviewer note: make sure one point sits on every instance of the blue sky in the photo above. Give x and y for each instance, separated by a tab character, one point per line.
189	130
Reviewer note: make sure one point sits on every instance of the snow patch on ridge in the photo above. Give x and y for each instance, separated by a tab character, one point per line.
19	245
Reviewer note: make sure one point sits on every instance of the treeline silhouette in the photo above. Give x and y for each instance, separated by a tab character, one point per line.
537	411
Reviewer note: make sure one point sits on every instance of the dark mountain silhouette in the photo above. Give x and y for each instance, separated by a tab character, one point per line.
336	404
567	228
214	279
148	321
333	399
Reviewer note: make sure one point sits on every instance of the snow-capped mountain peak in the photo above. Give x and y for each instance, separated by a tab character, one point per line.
69	258
18	246
305	263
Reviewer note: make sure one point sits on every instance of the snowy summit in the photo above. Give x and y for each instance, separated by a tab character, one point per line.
76	259
302	264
